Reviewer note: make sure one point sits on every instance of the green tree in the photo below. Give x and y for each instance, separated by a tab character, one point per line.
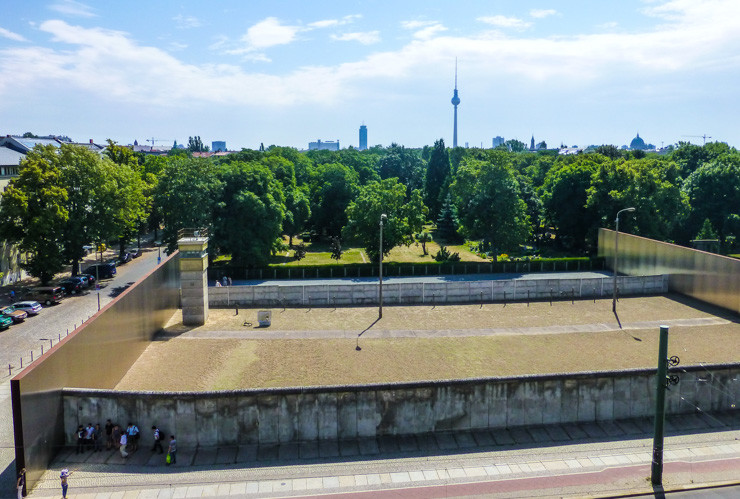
333	187
404	218
514	145
448	222
423	238
404	165
713	190
297	213
249	218
187	193
196	145
437	178
564	194
486	195
336	248
33	212
608	150
707	231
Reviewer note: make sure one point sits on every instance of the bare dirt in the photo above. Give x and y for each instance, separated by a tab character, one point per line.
527	339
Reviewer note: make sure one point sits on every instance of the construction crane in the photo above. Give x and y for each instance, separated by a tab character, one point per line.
705	137
153	140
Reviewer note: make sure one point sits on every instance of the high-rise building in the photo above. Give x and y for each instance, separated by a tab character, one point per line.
329	145
218	146
498	141
455	101
363	137
531	145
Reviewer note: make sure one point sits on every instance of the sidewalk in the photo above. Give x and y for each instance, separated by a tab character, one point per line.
585	460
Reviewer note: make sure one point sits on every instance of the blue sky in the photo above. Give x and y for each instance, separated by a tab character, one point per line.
289	72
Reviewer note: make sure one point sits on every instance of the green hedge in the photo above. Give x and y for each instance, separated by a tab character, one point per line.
393	269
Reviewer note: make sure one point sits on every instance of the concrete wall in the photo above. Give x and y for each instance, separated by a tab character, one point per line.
711	278
426	293
347	412
115	337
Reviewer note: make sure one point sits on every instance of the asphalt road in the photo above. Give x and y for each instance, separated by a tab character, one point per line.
52	323
420	279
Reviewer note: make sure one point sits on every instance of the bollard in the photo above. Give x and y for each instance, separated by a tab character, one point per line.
31	355
10	370
42	349
572	296
67	331
59	337
21	362
551	297
594	294
504	299
433	304
527	297
481	299
237	310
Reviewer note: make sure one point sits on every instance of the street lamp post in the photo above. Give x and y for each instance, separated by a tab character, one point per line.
380	273
616	256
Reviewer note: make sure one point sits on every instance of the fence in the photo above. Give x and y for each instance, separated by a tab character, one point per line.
351	294
391	269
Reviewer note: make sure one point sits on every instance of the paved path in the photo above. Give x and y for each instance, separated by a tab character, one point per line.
52	323
419	279
586	459
258	334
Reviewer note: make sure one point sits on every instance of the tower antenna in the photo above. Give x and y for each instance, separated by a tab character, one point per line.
455	101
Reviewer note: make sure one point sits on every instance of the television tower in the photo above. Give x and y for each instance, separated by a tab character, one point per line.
455	101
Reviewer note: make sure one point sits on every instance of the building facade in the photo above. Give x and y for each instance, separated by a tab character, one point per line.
329	145
363	138
218	146
498	141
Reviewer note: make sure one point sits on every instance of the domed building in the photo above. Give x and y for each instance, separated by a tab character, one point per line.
638	143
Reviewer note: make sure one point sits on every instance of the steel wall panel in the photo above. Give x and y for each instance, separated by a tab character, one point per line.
95	355
708	277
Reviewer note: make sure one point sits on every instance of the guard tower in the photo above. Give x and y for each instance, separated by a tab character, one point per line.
193	246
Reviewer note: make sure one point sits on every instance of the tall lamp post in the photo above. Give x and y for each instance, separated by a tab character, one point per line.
616	256
380	273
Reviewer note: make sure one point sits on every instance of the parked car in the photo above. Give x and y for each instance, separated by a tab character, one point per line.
71	286
123	259
13	313
90	278
135	253
5	322
47	294
29	307
101	270
84	280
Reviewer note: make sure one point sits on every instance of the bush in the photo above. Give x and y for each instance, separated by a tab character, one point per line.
300	252
444	255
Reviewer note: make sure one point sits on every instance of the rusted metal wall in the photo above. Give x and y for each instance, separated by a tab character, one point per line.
96	355
708	277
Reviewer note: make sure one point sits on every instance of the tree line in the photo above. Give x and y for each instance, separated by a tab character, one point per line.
69	197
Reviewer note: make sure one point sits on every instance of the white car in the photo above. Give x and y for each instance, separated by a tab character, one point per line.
30	307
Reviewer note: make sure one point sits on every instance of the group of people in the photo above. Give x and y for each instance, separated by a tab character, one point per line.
125	440
225	281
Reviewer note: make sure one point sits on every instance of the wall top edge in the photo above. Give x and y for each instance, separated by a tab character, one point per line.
708	368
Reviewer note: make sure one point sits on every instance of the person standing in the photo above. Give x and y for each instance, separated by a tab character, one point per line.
97	438
80	439
116	434
133	436
21	482
172	450
157	440
89	432
123	442
64	476
108	434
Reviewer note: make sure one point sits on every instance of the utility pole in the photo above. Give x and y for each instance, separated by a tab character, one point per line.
380	273
656	475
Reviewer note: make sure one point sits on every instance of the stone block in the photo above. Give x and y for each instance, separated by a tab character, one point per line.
269	418
227	421
327	415
247	420
346	415
206	416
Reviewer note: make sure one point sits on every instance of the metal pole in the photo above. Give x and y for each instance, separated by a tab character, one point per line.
656	476
380	274
615	272
616	256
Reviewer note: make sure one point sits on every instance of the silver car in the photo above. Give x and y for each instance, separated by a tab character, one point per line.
30	307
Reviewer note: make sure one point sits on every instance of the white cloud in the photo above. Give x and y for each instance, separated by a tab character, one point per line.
185	22
364	37
424	30
270	32
608	26
176	46
73	8
110	65
328	23
11	36
541	13
505	22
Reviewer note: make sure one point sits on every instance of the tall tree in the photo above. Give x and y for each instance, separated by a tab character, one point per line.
333	187
437	178
404	218
249	218
404	165
486	195
187	193
713	190
33	212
